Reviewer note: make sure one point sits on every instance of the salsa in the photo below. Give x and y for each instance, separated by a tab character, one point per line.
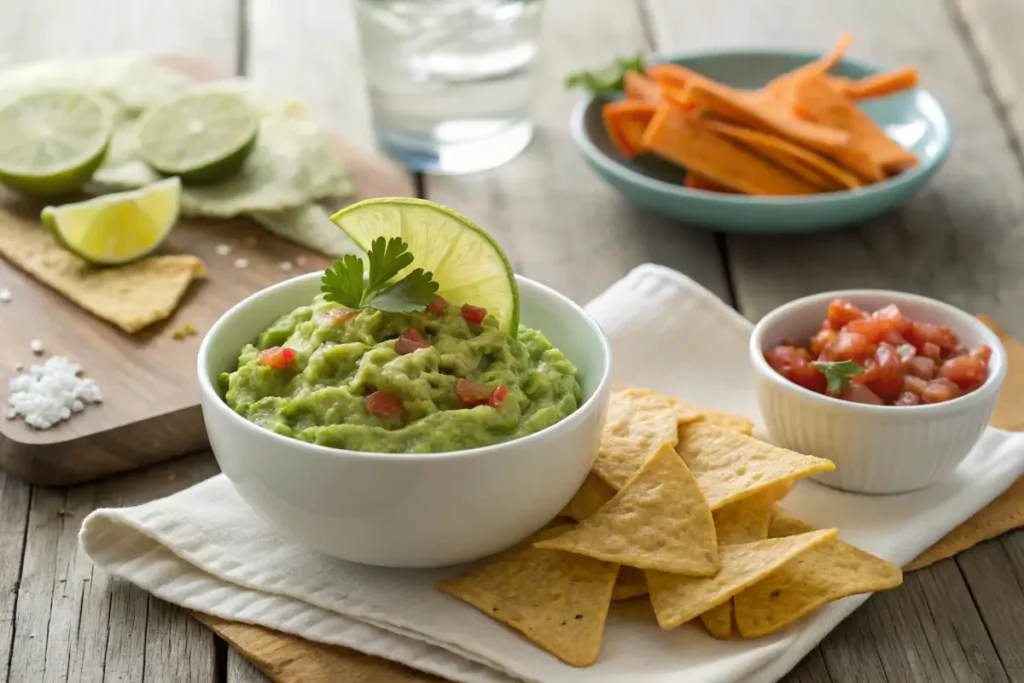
446	378
881	358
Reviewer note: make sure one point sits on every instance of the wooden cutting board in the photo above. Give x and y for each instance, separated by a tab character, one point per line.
289	659
150	410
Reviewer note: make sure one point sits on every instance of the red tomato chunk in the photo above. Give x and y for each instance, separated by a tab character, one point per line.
472	393
340	315
473	314
437	306
277	357
498	397
881	358
411	340
383	405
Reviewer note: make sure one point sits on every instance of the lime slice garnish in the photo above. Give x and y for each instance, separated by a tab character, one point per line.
116	228
201	138
52	141
468	265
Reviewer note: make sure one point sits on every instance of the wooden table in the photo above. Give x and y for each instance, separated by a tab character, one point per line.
961	240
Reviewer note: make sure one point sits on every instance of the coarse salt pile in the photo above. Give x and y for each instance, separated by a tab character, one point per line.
51	392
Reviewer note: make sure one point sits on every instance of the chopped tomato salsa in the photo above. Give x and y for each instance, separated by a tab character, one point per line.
437	306
277	357
383	405
881	358
472	393
474	315
411	340
498	397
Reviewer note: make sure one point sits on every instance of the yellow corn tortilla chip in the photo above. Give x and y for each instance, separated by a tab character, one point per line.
658	520
592	494
558	600
736	423
677	599
131	296
639	421
630	584
823	574
744	521
730	466
787	524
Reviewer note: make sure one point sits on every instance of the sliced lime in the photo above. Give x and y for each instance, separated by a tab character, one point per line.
52	141
202	137
116	228
467	263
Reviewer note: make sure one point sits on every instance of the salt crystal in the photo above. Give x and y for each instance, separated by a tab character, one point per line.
5	296
51	392
36	346
222	249
285	266
241	263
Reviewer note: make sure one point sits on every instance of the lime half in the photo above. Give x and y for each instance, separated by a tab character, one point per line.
203	137
116	228
468	265
52	141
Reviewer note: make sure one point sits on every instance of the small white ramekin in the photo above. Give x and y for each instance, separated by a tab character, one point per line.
876	449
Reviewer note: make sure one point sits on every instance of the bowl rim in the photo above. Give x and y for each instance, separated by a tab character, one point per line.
212	398
993	383
626	174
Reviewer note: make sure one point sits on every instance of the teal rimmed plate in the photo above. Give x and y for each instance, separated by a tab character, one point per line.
914	118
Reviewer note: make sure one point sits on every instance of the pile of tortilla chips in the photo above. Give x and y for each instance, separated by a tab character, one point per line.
681	505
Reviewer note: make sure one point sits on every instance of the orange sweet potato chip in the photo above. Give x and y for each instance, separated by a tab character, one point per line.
639	87
625	122
695	181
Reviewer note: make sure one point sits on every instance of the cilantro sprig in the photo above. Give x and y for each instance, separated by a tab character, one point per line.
839	374
355	283
606	81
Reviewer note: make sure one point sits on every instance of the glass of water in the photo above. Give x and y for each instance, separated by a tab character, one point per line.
450	80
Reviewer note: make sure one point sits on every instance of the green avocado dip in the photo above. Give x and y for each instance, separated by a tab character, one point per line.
443	379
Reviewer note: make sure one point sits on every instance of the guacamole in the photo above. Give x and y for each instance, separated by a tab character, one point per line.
439	380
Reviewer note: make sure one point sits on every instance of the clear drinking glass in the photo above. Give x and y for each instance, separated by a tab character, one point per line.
450	80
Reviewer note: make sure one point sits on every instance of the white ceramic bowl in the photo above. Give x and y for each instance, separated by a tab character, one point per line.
406	510
876	449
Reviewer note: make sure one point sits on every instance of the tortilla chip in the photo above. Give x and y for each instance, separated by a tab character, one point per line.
131	296
659	520
630	584
1001	515
639	421
826	573
592	494
558	600
744	521
736	423
730	466
677	599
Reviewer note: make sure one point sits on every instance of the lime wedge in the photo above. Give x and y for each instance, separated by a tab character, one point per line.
468	265
116	228
52	141
201	138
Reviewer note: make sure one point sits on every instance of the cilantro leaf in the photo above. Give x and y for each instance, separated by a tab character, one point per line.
412	293
348	283
608	80
343	282
838	374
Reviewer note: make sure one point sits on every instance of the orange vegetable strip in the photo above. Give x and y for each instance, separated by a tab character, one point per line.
639	87
684	140
625	121
804	163
763	113
884	84
695	181
818	67
675	76
816	100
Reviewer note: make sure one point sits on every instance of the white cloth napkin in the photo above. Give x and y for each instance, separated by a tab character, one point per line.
205	550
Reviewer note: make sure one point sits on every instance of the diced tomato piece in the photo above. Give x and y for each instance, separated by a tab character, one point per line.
821	339
958	351
923	367
383	405
893	314
848	346
841	312
795	343
907	354
498	397
472	393
983	352
940	390
340	315
920	334
411	340
883	374
907	398
873	329
473	314
795	365
277	357
931	350
858	393
966	372
914	384
437	306
894	337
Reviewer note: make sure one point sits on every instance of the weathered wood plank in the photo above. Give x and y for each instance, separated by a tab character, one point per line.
811	669
241	670
959	239
558	222
177	648
14	506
